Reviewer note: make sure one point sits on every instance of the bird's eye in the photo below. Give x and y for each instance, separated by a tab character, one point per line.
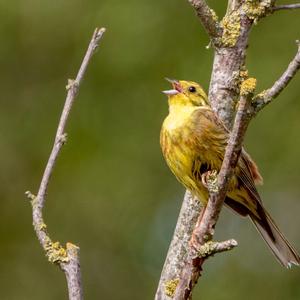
192	89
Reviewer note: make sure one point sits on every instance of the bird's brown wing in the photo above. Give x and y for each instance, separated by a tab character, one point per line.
212	136
252	168
243	197
212	131
246	176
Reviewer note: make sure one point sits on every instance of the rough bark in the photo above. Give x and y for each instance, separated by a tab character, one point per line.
179	246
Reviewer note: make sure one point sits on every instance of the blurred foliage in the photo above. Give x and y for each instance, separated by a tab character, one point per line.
111	192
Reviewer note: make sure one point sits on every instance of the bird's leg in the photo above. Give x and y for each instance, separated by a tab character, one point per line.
209	180
208	247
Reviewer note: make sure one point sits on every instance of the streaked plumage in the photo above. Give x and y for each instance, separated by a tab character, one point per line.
193	141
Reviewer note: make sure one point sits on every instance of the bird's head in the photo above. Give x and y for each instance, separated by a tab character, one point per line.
186	93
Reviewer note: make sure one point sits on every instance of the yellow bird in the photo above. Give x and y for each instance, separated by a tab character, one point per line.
193	142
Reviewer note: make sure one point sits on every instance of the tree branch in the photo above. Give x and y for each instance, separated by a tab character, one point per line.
208	18
228	73
179	246
286	6
204	229
264	98
228	62
233	5
67	258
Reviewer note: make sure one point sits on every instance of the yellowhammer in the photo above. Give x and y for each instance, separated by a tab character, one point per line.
193	142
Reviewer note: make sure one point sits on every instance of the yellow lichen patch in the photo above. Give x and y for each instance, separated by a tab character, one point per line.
244	75
206	249
43	226
231	29
248	86
56	253
30	196
214	15
261	99
256	9
261	95
170	287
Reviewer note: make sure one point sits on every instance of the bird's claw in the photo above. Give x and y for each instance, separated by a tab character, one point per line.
210	180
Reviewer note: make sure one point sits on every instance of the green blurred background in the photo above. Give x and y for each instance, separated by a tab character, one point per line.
111	192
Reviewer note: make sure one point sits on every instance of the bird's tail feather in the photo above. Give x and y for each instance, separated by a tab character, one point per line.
274	238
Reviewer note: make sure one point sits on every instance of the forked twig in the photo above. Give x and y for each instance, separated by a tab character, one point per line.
67	258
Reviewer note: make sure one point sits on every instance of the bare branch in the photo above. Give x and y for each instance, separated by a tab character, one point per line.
179	246
233	5
227	65
73	273
285	7
67	259
204	229
208	18
264	98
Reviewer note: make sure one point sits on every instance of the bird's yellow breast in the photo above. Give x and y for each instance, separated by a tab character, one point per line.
177	141
178	118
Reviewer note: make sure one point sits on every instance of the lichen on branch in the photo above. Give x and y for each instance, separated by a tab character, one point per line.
67	258
256	9
231	25
248	86
170	287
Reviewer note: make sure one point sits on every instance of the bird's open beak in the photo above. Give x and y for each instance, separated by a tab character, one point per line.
176	87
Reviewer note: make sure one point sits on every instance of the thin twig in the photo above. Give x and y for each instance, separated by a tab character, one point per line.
233	5
208	18
67	258
211	248
286	6
204	229
264	98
